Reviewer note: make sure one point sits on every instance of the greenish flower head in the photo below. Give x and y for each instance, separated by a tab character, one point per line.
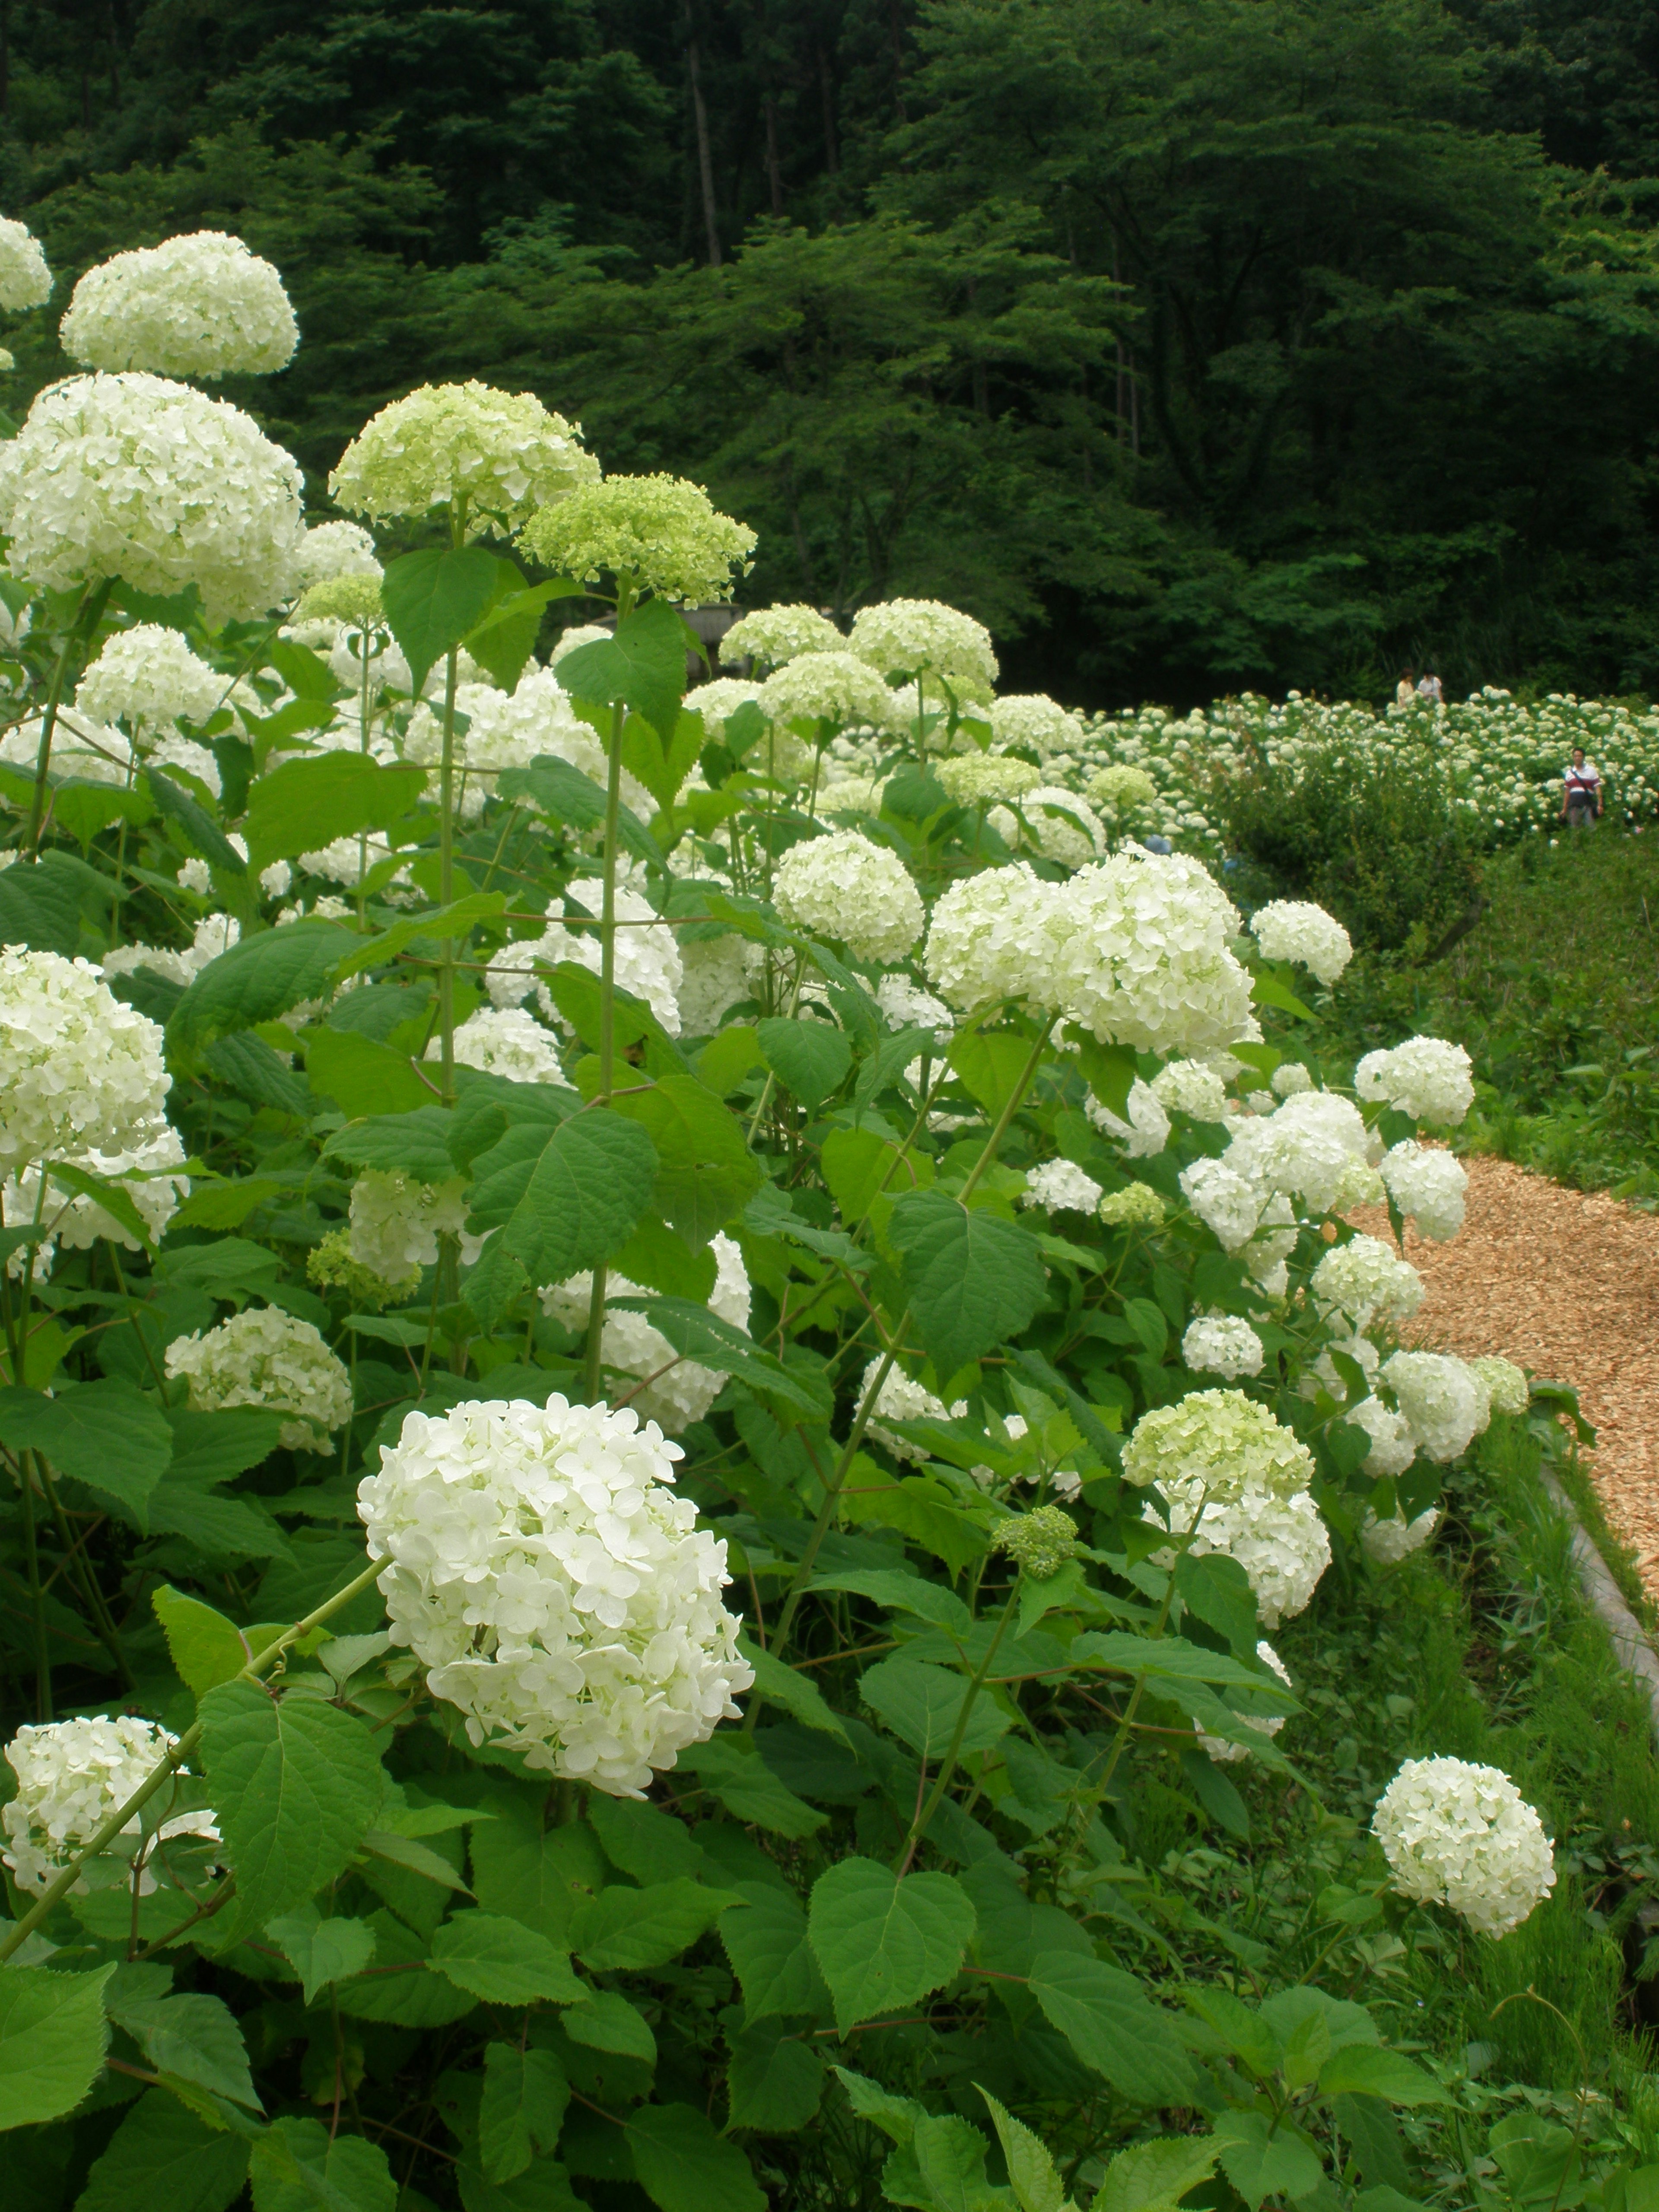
1040	1542
331	1267
1135	1206
1122	788
352	599
662	534
987	779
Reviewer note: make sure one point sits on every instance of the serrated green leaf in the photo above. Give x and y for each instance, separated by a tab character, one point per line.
626	1930
562	792
1154	2177
305	804
321	1951
192	2036
52	2038
296	1783
774	2082
361	1076
881	1942
808	1058
522	2108
432	598
256	980
206	1649
641	663
1262	2160
164	2158
297	2168
201	831
1033	2174
587	1183
608	2022
766	1940
729	1767
699	1334
1366	2069
921	1703
781	1685
973	1279
415	1144
456	919
503	1962
706	1173
106	1434
680	2161
1113	2027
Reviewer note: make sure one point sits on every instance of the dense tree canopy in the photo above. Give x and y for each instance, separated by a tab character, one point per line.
1192	343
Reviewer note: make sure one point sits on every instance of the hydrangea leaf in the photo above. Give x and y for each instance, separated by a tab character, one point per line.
416	1144
729	1767
590	1181
766	1940
52	2038
973	1281
174	802
641	664
882	1941
297	1783
418	1998
775	2081
1033	2174
1367	2069
684	2165
808	1058
1114	2027
106	1434
1154	2177
321	1951
699	1334
522	2108
624	1929
1262	2160
206	1649
41	906
256	980
434	598
503	1962
191	2035
455	921
564	794
305	804
706	1172
608	2022
298	2168
162	2158
780	1684
921	1703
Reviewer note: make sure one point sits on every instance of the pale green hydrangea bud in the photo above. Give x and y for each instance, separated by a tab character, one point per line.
987	779
1510	1390
1040	1542
354	600
665	535
1122	788
1137	1206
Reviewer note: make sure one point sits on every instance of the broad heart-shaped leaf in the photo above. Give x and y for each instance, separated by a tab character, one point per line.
922	1705
163	2158
775	2081
679	2160
608	2022
52	2040
504	640
362	1077
1262	2160
296	2168
415	1144
765	1939
321	1951
564	794
590	1182
1154	2177
192	2036
104	1434
433	598
206	1649
305	804
174	802
642	663
522	2108
40	905
1113	2027
246	1064
256	981
662	768
1033	2174
729	1767
625	1929
503	1962
706	1172
973	1281
990	1064
807	1057
296	1783
1369	2070
883	1942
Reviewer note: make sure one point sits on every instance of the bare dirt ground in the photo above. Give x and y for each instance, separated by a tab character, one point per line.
1566	1282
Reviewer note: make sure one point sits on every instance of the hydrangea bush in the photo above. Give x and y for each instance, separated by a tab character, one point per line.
666	1349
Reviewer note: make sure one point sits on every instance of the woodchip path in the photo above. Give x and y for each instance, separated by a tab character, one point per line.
1567	1284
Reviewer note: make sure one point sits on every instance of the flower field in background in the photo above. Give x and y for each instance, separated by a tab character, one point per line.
665	1347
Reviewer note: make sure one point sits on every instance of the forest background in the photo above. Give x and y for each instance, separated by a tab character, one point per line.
1191	344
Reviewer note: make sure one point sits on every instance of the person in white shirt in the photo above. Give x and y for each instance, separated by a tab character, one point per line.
1581	793
1429	689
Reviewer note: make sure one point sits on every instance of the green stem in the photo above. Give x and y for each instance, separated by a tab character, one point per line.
102	1621
447	882
37	1608
953	1750
595	1358
161	1775
49	724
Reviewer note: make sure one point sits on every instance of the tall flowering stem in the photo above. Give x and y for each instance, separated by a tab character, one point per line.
595	1365
49	718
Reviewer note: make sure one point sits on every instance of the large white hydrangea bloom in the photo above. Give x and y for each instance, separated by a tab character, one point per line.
1426	1078
989	779
512	729
1280	1542
1393	1446
25	279
844	887
676	1391
1462	1835
1030	718
905	1005
1220	1442
83	1072
992	936
202	304
1428	1186
503	453
557	1589
1443	1403
772	635
396	1222
76	1221
1223	1344
1142	1127
663	534
831	686
1061	1186
71	1775
147	677
1194	1088
267	1358
505	1041
1295	929
1144	958
1368	1282
908	637
132	476
647	959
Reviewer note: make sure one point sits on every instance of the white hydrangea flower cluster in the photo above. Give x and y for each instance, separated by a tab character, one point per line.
908	637
647	961
84	1071
1137	1206
988	780
1290	1079
502	454
265	1357
1221	1344
1458	1834
661	532
396	1222
1506	1384
1121	789
1062	827
1143	1128
1385	1543
200	305
1430	1186
556	1591
1368	1282
716	975
1312	1147
992	936
1426	1078
71	1775
1281	1543
147	676
1061	1186
1295	929
678	1391
905	1005
505	1041
1221	1442
1267	1724
134	477
899	1398
772	635
1442	1401
1143	956
842	886
331	550
1031	719
825	687
1192	1087
510	730
25	279
76	1221
720	698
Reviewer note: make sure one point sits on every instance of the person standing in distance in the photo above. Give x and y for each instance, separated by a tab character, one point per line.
1581	793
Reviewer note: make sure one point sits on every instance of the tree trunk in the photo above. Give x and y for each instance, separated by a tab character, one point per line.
705	165
827	93
774	175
